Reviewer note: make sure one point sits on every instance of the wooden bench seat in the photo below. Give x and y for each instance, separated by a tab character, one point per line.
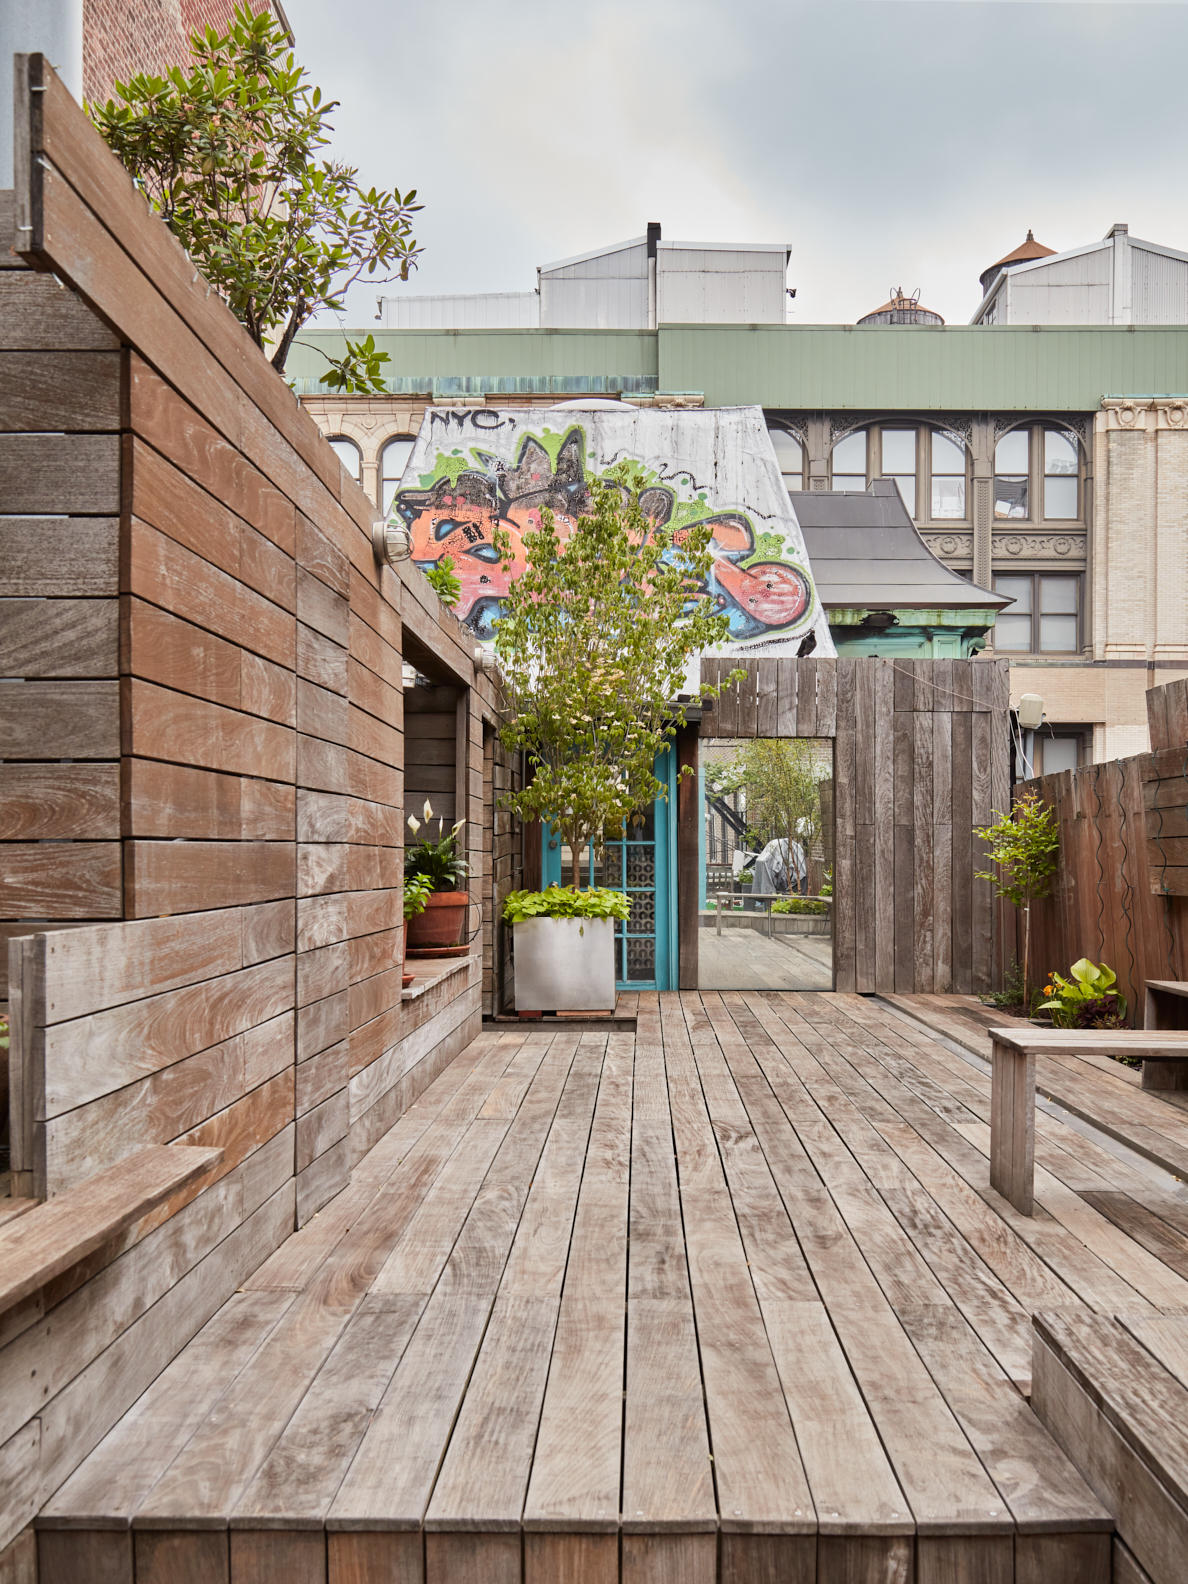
48	1239
1113	1394
1013	1053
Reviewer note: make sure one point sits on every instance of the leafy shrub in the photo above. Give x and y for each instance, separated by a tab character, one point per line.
800	905
442	581
565	902
1088	1000
417	892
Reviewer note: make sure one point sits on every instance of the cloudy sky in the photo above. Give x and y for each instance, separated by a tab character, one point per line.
887	142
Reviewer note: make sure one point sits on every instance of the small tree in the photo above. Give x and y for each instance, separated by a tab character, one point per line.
594	643
782	778
227	156
1023	849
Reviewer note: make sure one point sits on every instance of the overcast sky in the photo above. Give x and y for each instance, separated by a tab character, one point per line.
887	142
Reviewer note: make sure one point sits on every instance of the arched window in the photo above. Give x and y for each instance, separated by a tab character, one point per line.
848	462
1060	475
899	463
1011	475
392	464
349	455
948	478
790	455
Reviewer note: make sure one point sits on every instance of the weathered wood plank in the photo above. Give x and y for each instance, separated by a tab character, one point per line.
48	474
59	557
39	314
40	802
49	1240
59	638
193	877
161	724
60	720
48	391
172	801
61	880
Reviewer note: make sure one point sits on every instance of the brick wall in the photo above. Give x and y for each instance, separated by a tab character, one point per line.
123	37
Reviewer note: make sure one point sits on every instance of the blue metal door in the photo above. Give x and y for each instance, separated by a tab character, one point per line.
641	862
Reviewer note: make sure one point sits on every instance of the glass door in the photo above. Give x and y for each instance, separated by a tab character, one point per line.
640	860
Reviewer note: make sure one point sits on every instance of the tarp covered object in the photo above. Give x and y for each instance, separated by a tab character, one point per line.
478	467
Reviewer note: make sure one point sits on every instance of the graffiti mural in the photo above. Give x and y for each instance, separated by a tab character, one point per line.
472	473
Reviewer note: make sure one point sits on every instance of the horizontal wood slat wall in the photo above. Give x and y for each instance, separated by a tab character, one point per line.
921	758
201	628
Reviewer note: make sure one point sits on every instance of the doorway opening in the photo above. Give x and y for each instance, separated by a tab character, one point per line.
765	910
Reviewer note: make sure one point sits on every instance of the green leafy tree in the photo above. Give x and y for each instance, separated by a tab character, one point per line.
1024	846
782	778
593	645
227	153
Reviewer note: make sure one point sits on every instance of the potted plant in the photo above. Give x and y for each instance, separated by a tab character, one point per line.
594	642
564	947
440	923
416	894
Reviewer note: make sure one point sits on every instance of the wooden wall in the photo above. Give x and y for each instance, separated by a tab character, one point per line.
1119	895
218	657
921	756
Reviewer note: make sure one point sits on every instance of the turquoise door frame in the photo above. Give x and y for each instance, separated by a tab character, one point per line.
644	864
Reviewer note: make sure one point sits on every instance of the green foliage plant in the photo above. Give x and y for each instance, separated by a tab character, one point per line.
438	862
593	645
226	151
566	902
746	877
1023	847
782	778
800	905
1087	999
417	892
444	583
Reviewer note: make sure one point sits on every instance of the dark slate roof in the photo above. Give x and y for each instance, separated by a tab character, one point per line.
864	550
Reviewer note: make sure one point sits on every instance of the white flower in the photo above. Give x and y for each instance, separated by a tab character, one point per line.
414	824
428	811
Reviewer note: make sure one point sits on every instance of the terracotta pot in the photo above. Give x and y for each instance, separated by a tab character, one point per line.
441	924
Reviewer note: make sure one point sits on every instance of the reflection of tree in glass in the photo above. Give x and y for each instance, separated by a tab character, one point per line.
782	777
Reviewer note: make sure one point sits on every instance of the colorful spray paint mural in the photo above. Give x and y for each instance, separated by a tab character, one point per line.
476	469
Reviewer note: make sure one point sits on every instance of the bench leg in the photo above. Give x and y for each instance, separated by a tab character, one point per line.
1165	1075
1012	1127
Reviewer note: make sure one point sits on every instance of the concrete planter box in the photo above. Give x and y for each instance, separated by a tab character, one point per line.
565	965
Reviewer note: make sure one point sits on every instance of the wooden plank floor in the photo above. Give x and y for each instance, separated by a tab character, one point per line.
741	959
726	1301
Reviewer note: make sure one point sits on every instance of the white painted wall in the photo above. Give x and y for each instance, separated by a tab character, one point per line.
479	311
55	27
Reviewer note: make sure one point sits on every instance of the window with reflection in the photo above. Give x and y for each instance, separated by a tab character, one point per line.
349	455
899	463
1044	618
1011	474
948	478
392	464
848	463
790	455
1060	476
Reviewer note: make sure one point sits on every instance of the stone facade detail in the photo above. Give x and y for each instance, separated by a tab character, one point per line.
950	546
1140	529
1064	549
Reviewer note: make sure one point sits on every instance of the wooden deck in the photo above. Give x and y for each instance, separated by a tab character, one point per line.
747	960
729	1299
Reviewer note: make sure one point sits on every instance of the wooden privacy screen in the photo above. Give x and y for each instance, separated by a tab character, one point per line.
921	756
201	788
1120	889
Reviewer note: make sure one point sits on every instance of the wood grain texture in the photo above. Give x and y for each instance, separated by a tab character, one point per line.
58	638
171	801
161	648
159	723
43	802
60	720
61	880
39	314
59	557
47	391
193	877
48	474
39	1246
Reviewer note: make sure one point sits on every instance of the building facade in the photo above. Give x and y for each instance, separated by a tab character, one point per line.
1048	462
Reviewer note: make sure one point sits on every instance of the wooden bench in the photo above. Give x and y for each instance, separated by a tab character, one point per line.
1165	1007
48	1239
1012	1091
